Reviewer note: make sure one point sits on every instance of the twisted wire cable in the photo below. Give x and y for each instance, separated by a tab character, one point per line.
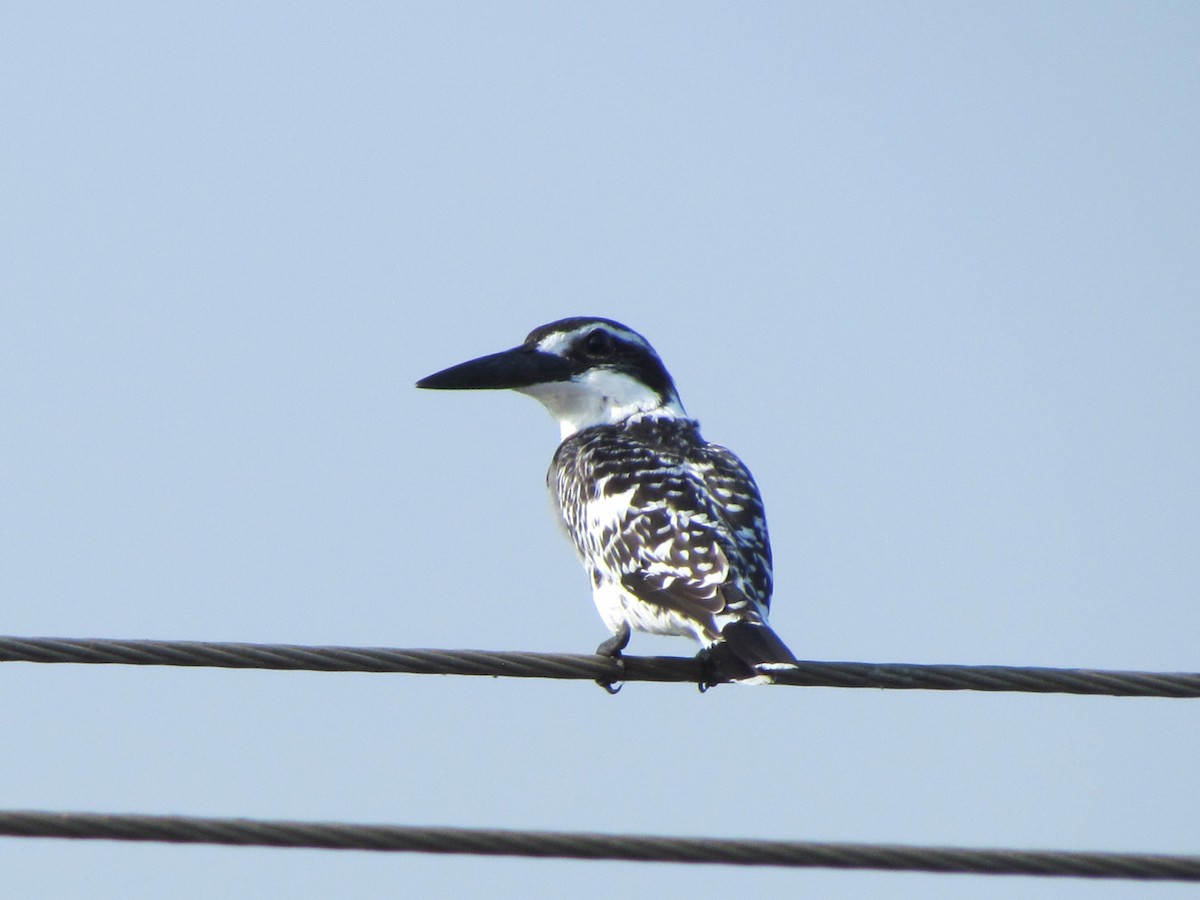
587	667
582	845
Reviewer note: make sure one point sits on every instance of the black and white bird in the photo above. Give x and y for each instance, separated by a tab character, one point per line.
670	528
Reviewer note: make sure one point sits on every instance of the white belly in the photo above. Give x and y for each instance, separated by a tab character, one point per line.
616	605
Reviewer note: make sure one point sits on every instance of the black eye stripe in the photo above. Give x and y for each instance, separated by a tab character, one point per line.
591	346
598	343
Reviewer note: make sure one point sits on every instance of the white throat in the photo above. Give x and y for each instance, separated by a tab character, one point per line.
599	397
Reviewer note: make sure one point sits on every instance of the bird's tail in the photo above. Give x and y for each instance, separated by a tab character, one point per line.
747	652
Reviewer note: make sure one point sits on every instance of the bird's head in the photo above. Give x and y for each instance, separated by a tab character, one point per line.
587	371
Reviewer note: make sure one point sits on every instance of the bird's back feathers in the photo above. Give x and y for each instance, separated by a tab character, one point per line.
676	521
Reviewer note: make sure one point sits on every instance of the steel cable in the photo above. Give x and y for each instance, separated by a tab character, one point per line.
580	845
515	664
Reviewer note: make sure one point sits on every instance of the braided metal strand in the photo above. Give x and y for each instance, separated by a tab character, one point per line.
588	667
579	845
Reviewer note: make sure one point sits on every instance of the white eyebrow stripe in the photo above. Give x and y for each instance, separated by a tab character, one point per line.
559	342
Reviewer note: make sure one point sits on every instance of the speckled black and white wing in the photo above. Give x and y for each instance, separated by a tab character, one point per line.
670	528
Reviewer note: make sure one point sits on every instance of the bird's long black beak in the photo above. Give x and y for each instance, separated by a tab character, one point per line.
516	368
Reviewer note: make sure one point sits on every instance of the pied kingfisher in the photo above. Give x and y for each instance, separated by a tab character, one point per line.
670	528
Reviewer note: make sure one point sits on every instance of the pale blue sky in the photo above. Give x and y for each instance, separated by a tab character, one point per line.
931	270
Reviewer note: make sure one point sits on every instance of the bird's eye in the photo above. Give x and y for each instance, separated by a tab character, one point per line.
598	343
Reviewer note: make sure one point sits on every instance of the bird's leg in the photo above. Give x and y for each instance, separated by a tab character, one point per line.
612	648
615	644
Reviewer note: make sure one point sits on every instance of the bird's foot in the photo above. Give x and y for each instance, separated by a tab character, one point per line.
612	648
711	668
705	659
